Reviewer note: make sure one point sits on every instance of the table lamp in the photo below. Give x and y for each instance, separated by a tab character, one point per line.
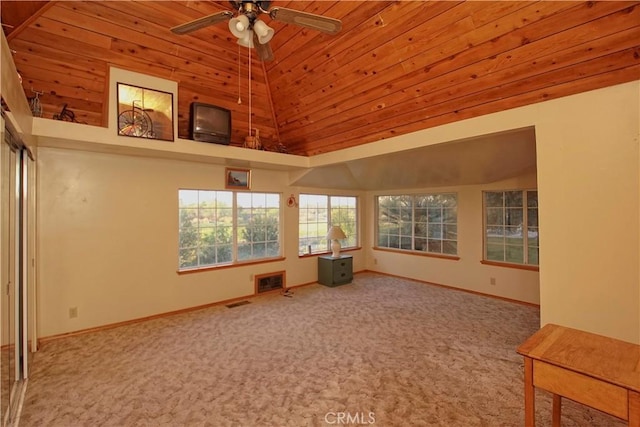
335	233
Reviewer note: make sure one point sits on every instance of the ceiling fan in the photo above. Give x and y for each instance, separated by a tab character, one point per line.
253	32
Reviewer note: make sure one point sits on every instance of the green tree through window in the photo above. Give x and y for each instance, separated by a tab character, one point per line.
511	226
207	220
420	222
258	224
317	213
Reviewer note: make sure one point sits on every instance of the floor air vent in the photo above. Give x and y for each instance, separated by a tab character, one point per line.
270	282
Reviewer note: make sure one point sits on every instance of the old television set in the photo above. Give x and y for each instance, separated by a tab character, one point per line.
210	123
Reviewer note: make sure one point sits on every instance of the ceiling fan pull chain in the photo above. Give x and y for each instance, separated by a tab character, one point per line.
239	88
250	103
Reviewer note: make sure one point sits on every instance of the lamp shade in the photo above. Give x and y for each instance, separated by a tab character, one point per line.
263	31
247	39
335	233
239	26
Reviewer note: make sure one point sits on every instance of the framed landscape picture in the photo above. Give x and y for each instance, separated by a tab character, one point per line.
238	179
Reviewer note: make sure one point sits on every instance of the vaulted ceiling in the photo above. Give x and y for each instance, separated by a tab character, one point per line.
396	66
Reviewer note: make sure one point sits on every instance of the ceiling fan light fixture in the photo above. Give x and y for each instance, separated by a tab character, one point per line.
239	26
247	39
252	32
263	31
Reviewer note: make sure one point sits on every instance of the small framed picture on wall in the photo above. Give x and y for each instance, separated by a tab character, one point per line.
237	179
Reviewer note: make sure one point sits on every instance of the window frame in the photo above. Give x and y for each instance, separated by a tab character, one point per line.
413	237
262	213
524	209
303	250
233	209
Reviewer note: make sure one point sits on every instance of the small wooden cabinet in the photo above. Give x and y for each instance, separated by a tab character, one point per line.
335	271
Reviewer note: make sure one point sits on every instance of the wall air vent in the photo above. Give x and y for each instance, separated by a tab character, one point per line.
270	282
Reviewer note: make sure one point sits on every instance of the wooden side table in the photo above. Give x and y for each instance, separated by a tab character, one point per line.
590	369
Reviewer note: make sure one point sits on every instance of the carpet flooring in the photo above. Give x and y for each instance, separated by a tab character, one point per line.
380	351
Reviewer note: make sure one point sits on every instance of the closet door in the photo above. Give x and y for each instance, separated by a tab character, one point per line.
25	264
17	286
8	257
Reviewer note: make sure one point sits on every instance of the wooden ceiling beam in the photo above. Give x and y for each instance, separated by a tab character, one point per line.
18	15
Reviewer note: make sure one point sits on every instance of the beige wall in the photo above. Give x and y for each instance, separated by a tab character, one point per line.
467	272
95	207
13	94
588	169
108	225
108	237
589	188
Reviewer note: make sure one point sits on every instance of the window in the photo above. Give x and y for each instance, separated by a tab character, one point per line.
511	227
258	223
220	227
318	213
424	223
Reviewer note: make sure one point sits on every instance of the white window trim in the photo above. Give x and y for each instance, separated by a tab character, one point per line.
234	231
330	223
413	223
525	221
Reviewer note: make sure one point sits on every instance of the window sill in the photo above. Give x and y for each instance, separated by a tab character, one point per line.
418	253
230	265
328	252
510	265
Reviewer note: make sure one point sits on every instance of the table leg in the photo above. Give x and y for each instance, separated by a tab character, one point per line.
634	409
557	409
529	394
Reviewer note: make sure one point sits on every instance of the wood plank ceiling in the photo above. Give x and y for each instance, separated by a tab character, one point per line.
396	67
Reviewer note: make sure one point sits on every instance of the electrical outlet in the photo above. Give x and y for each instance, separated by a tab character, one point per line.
492	281
375	260
73	312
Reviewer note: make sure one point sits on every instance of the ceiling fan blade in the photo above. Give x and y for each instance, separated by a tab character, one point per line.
307	20
205	21
263	50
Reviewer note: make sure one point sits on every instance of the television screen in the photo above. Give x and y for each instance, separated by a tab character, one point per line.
210	123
